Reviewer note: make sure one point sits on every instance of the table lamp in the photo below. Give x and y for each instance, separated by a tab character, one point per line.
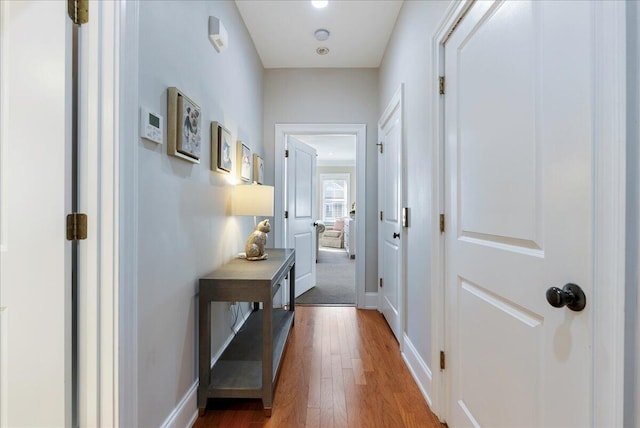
254	200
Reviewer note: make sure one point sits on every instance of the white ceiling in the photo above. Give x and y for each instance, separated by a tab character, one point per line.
283	31
333	150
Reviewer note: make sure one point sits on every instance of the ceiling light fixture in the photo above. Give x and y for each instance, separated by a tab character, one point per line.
321	34
319	4
322	50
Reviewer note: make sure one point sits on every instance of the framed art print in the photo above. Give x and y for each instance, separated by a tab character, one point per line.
244	161
184	127
258	169
222	145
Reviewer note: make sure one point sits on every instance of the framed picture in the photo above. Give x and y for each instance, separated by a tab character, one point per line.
258	169
221	148
244	161
184	126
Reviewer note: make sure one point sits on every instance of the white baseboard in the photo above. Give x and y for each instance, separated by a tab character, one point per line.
370	300
186	412
418	368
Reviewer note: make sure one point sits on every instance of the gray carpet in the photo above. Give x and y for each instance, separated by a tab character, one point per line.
335	280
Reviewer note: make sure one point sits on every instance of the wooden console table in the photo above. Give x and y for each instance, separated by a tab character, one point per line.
249	366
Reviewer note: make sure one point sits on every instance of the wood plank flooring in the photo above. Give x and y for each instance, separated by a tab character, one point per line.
342	368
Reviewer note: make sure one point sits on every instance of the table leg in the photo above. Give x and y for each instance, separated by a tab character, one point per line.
292	290
204	351
267	353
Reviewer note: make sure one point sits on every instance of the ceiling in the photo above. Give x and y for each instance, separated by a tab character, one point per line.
283	31
333	150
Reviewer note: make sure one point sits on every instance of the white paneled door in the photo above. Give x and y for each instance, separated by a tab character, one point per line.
35	257
390	201
301	208
519	201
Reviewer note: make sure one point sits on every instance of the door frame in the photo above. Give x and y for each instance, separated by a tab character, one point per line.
609	151
282	130
108	195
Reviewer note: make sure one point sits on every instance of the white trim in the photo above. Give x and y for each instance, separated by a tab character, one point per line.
186	412
609	211
418	368
126	184
360	132
438	333
396	104
370	300
609	117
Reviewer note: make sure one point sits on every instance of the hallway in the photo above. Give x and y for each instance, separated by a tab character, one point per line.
342	368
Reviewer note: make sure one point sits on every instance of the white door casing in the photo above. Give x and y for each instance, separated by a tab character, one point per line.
390	198
521	186
301	206
35	257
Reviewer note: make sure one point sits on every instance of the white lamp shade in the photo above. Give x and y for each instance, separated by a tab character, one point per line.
253	199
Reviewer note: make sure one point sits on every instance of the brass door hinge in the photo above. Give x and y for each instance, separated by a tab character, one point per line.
286	214
76	227
441	84
381	215
441	223
286	153
380	146
381	284
78	11
442	360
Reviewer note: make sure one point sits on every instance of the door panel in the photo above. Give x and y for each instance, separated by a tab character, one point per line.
35	257
389	233
301	203
519	202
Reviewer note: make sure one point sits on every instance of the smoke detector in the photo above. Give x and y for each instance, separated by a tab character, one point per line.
321	34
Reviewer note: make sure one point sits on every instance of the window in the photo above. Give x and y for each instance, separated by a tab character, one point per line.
335	196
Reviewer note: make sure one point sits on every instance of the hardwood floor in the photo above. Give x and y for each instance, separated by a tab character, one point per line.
342	368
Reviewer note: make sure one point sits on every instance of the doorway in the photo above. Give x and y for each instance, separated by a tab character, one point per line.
336	229
330	253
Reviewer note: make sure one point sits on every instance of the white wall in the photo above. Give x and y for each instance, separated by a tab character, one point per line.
185	230
408	60
351	170
328	96
632	325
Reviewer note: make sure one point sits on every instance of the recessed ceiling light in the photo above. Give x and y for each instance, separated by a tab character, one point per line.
319	4
322	50
321	34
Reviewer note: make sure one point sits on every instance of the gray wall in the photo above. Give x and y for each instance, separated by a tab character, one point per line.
185	229
632	324
408	60
328	96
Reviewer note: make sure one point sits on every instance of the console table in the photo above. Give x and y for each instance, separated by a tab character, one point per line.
249	366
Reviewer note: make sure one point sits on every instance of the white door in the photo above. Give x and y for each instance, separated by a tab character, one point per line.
35	268
519	155
390	204
301	206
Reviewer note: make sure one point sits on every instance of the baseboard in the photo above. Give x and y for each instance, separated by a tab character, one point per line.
370	300
186	412
418	368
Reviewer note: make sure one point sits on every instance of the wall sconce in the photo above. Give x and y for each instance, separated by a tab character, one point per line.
217	34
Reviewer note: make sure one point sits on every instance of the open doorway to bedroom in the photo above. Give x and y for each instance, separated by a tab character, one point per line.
336	231
355	138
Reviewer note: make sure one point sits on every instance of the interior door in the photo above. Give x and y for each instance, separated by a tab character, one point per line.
301	207
390	200
35	263
518	107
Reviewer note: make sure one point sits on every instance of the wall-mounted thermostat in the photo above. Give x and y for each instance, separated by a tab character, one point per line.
151	125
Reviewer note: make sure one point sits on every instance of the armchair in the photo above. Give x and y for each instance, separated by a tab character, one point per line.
333	236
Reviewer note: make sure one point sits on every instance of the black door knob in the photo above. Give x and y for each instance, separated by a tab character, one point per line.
396	235
571	296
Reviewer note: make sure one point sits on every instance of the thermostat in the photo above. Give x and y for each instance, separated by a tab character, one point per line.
151	125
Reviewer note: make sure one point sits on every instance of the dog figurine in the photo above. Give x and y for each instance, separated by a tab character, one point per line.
256	242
